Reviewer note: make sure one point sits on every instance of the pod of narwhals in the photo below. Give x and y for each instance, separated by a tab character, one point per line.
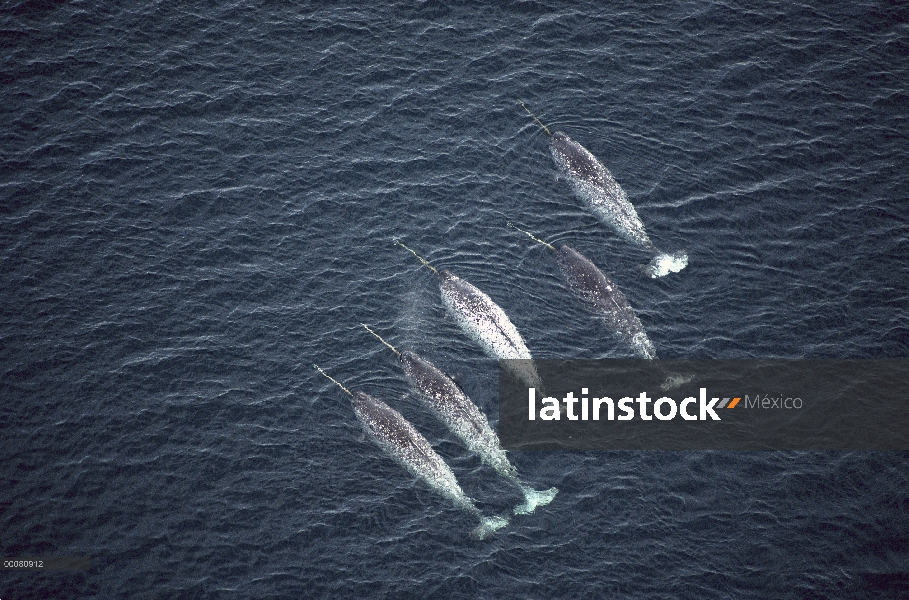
488	325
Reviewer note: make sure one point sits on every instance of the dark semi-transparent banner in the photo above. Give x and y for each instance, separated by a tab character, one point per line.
704	404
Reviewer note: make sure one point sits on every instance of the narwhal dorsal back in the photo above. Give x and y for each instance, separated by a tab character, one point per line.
392	430
589	282
441	392
425	376
577	160
473	305
399	439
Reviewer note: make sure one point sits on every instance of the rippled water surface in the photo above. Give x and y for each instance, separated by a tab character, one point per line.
198	203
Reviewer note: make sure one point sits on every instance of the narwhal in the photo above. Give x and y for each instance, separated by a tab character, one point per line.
596	187
452	406
601	295
400	440
484	322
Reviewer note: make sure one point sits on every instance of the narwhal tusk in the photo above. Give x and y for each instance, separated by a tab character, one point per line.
534	238
422	260
393	349
333	379
546	129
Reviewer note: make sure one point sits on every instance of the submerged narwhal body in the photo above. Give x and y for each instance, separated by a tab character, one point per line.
595	185
602	296
485	323
400	440
452	406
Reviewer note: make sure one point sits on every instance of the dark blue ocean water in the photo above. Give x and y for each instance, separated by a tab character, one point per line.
197	203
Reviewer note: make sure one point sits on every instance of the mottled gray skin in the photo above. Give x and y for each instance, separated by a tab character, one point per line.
488	325
481	318
594	184
604	298
452	406
403	442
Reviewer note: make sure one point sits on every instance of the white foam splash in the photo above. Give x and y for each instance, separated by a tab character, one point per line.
674	381
488	526
533	499
643	346
664	264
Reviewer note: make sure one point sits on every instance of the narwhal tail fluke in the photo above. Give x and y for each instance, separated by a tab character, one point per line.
533	499
664	264
488	526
